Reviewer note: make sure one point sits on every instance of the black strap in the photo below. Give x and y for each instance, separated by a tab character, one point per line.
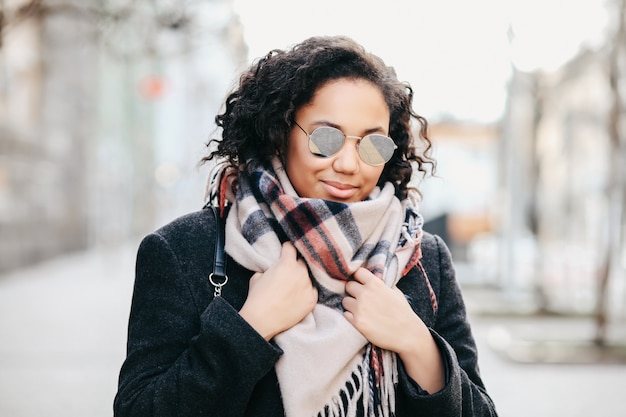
219	264
218	277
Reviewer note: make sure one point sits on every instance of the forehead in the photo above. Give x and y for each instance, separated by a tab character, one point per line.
345	84
349	99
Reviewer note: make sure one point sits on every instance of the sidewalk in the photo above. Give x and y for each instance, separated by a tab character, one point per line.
63	334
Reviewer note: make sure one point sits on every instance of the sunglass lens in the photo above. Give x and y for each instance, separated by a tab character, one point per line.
376	149
325	141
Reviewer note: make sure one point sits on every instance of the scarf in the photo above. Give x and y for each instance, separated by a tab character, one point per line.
327	367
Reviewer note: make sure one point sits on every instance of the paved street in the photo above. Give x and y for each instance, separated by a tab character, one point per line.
62	335
63	329
523	389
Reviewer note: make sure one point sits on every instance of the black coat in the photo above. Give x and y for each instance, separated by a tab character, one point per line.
192	355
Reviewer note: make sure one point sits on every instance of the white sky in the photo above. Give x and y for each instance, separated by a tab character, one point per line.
455	53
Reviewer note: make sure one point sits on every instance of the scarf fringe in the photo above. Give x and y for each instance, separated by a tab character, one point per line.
377	389
382	380
345	402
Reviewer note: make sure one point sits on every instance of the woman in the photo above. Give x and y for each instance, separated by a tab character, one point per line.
337	303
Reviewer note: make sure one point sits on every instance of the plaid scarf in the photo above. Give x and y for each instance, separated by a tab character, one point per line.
328	368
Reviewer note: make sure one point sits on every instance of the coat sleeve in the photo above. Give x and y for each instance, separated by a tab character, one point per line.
184	358
464	394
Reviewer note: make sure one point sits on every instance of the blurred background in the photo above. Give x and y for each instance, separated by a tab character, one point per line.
106	107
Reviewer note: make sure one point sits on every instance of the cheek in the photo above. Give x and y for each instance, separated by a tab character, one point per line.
370	177
299	165
373	174
296	154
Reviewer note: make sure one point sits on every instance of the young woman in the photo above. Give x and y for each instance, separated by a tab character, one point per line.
337	303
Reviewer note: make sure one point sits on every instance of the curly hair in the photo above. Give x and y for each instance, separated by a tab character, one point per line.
259	113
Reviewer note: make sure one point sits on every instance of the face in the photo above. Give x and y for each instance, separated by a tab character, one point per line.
357	108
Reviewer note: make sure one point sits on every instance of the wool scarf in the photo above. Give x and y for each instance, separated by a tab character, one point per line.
328	368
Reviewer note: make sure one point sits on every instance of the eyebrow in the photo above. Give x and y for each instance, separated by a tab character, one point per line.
366	132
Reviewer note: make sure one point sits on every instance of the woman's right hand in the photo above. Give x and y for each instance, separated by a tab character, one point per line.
280	297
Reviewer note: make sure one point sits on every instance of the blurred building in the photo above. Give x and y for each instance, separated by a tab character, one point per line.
458	200
105	108
555	209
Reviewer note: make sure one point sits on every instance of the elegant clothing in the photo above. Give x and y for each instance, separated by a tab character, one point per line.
190	354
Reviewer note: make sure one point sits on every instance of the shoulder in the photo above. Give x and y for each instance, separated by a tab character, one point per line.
190	238
435	252
190	225
437	261
430	242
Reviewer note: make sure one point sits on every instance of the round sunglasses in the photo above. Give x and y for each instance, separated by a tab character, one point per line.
374	149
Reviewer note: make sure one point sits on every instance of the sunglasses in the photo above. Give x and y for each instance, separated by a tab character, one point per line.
374	150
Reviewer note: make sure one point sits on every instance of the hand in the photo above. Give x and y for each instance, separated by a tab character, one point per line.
280	297
384	316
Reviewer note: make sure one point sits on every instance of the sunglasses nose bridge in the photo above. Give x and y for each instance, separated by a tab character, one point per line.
358	142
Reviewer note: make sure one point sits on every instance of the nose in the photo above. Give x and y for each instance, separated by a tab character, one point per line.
347	160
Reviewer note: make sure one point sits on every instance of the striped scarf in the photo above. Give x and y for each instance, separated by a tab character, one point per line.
328	368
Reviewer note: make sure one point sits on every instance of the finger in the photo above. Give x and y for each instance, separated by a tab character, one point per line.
349	316
352	288
348	303
362	275
288	250
256	276
314	294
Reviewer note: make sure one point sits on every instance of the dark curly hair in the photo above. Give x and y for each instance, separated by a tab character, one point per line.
259	113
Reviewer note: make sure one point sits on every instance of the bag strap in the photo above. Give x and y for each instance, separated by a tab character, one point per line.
218	277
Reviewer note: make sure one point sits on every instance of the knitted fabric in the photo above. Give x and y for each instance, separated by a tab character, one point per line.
328	368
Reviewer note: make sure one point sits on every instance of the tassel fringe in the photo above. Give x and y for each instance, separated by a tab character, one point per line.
374	381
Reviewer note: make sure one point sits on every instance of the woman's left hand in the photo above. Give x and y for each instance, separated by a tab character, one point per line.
384	316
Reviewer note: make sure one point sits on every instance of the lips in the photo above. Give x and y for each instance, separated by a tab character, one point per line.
339	190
